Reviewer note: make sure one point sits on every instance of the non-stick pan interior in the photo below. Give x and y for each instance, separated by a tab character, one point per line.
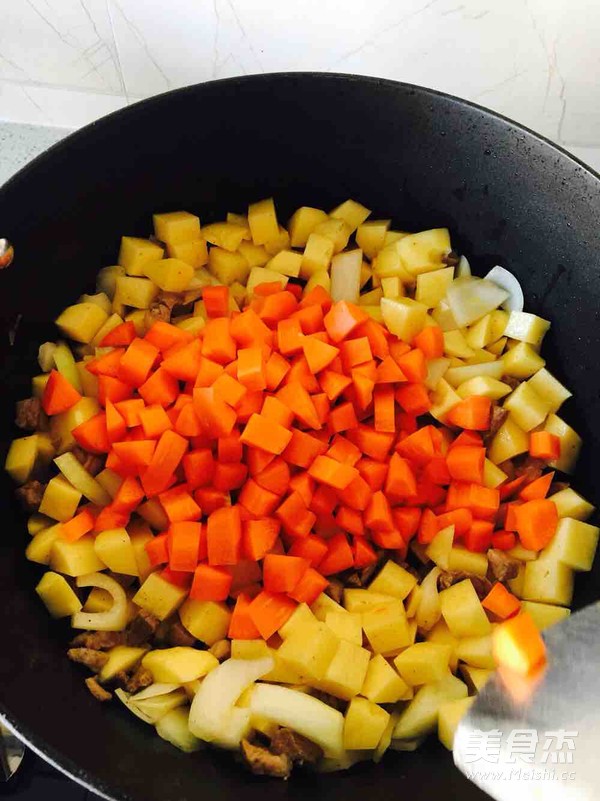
508	197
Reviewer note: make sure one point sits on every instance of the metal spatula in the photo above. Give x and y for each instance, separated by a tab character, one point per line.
546	744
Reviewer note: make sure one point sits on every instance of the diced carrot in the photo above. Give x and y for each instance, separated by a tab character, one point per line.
170	450
518	645
59	395
259	537
511	518
479	536
338	557
296	398
217	343
431	341
117	466
224	536
334	474
135	454
208	373
414	398
384	409
120	336
342	450
390	540
310	586
198	467
216	417
355	351
161	388
216	300
278	306
324	500
413	365
177	577
342	319
275	477
289	337
108	364
310	319
251	369
137	362
229	389
378	514
230	449
407	520
115	424
465	463
229	476
483	501
295	517
319	355
184	362
398	349
250	404
401	481
157	550
461	519
210	499
503	540
544	445
342	418
277	412
260	432
303	449
375	444
92	435
510	488
500	602
318	296
300	374
248	329
75	528
154	421
304	485
276	369
472	413
183	542
210	583
537	489
362	553
373	472
269	611
179	505
130	411
377	336
467	438
437	471
363	387
129	495
418	447
356	495
186	421
428	527
241	626
282	573
350	520
259	501
536	523
311	548
388	372
257	460
165	335
333	384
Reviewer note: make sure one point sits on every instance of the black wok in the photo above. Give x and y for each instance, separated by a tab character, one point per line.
508	196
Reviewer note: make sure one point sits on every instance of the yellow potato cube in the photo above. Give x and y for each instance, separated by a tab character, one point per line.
179	665
300	618
113	548
480	334
432	286
249	649
481	357
549	388
345	626
88	381
421	715
240	219
106	278
570	443
226	235
364	724
174	227
206	620
404	317
527	408
262	220
171	275
443	398
82	321
526	328
136	292
462	610
476	651
192	324
139	318
373	297
382	684
110	480
319	278
387	264
60	499
302	223
139	535
515	585
40	547
374	313
281	242
391	287
38	384
442	635
386	627
392	237
523	554
413	600
286	262
449	716
548	581
112	322
458	375
98	600
57	595
335	230
76	474
317	255
345	674
357	601
228	267
323	605
159	596
393	580
255	255
497	348
120	658
21	458
309	650
370	237
574	544
37	523
485	386
571	504
510	440
440	547
351	212
544	615
193	251
75	558
260	275
135	252
455	344
475	677
522	361
154	514
423	252
492	475
423	663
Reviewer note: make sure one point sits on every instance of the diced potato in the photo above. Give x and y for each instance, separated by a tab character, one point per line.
107	277
475	677
515	585
317	254
521	553
300	618
386	627
526	328
226	235
60	499
423	663
432	286
309	650
522	361
392	237
544	615
193	252
174	728
40	547
364	724
373	297
286	262
98	600
404	317
374	313
139	318
323	605
497	348
393	580
139	535
171	275
549	388
423	252
57	595
481	334
510	440
476	651
570	443
114	549
391	287
112	322
228	267
442	316
336	231
456	376
571	504
492	475
120	658
255	255
442	635
481	357
421	715
159	596
250	649
240	219
351	212
38	384
100	299
302	223
76	474
206	620
21	458
345	276
136	292
358	601
574	544
191	324
110	480
455	344
260	275
382	684
485	386
387	264
462	610
440	547
278	243
370	237
37	523
179	665
154	514
345	674
527	408
413	600
262	220
135	252
65	363
449	716
548	581
174	227
81	321
443	399
436	369
345	626
318	278
75	558
429	610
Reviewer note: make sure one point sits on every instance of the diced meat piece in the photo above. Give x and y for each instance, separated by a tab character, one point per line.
98	640
94	660
329	699
531	468
30	495
508	468
29	414
501	566
497	419
99	693
558	486
298	748
142	628
177	634
451	259
263	762
353	579
91	461
335	590
418	549
221	650
161	308
512	382
480	584
141	678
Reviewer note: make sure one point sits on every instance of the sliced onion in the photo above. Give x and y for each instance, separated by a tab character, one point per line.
115	618
463	267
472	298
153	690
509	282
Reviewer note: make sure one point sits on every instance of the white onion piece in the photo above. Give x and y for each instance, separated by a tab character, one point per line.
115	618
471	298
463	267
509	282
153	690
345	276
124	698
